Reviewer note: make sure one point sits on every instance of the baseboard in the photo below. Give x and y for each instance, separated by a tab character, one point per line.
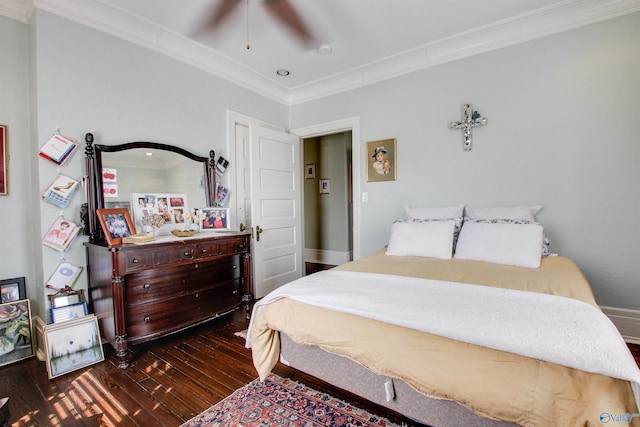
321	256
627	321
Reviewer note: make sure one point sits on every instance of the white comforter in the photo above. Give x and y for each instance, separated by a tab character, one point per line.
556	329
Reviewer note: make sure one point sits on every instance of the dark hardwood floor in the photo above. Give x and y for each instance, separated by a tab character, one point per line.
170	381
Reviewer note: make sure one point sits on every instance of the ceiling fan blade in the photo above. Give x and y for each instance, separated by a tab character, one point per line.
286	14
222	12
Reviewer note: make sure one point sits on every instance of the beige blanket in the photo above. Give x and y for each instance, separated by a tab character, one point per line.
494	384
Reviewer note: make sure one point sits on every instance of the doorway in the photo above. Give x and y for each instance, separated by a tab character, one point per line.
351	125
328	200
239	172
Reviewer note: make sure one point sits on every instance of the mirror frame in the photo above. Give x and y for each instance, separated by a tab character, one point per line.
94	194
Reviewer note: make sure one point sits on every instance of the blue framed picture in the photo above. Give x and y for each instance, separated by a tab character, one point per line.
68	312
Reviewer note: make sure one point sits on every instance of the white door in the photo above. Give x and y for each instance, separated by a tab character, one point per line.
274	208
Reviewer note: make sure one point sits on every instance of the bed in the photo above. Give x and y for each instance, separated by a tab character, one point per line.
456	339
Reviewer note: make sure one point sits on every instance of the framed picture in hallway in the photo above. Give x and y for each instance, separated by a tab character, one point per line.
381	160
325	186
310	171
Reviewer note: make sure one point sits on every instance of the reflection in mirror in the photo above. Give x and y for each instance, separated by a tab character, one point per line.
144	170
142	167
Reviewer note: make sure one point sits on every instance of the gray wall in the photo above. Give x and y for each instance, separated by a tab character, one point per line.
563	126
563	132
19	256
87	81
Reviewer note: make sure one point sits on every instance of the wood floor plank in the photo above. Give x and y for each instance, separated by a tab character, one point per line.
215	386
170	392
198	393
170	381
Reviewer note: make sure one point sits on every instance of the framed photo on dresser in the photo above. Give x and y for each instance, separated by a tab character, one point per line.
171	206
116	224
217	219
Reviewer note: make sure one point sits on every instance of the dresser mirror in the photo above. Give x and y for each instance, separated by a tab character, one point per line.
114	172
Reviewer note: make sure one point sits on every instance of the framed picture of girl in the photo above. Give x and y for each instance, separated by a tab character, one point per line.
381	160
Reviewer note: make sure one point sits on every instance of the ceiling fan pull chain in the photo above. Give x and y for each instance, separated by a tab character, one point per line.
248	44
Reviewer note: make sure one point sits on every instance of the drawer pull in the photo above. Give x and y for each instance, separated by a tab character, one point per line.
135	261
187	253
242	247
147	319
146	285
235	267
204	251
235	292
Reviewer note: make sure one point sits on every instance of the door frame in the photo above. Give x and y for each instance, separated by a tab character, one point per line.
344	125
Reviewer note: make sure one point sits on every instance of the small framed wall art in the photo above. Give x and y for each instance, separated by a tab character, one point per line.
65	297
68	312
72	345
12	289
325	186
381	160
15	343
310	171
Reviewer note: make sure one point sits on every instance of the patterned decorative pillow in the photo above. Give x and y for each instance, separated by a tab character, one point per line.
447	212
526	213
545	251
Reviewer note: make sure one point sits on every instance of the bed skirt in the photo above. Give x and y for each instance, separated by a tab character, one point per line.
353	377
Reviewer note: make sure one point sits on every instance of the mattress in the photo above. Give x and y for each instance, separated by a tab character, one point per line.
493	384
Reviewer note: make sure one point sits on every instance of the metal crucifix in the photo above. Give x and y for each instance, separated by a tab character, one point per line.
470	119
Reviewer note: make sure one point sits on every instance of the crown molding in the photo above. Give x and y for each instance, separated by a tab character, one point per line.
19	10
554	19
118	22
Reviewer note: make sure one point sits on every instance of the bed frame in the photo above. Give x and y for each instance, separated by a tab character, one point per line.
351	376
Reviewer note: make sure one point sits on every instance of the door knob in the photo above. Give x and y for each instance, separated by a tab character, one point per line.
242	227
258	231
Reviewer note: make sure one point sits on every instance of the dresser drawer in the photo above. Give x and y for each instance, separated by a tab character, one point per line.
226	246
162	317
152	285
154	256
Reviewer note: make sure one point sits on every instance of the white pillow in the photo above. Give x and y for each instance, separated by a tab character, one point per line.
430	239
447	212
526	213
510	244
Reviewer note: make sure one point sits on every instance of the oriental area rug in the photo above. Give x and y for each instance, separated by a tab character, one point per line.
283	402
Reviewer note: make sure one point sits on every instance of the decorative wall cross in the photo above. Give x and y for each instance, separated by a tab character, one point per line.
470	119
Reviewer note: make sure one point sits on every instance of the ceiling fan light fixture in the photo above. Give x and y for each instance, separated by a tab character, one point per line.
282	72
325	49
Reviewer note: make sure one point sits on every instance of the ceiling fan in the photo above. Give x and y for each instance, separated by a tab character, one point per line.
281	10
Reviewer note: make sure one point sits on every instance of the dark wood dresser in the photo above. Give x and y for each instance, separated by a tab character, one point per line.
144	292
